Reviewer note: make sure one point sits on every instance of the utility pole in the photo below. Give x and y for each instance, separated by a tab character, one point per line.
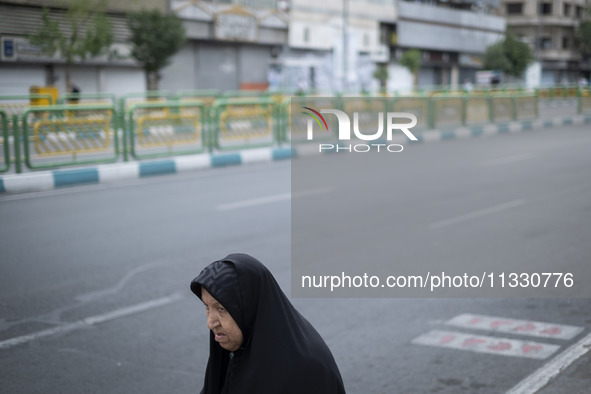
538	42
345	43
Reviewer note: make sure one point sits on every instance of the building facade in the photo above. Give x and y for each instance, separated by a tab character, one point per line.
22	65
549	27
338	44
290	45
452	36
231	45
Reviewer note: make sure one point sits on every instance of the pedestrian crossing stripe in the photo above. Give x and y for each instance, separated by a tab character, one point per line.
515	326
486	344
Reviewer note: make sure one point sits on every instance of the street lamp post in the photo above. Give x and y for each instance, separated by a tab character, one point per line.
345	42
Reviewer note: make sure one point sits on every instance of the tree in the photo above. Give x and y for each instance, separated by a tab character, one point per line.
584	36
494	58
155	38
381	74
85	33
509	55
411	59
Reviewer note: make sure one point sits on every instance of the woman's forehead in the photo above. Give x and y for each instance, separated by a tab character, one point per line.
208	298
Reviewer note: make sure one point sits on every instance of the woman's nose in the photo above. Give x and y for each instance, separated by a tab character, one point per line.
212	321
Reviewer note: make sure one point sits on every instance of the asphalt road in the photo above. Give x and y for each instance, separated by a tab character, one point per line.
94	291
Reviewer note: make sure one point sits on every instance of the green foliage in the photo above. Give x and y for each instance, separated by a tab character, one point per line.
155	38
411	59
584	36
509	55
494	58
381	74
86	32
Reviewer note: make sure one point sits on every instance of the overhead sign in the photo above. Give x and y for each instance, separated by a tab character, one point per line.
236	24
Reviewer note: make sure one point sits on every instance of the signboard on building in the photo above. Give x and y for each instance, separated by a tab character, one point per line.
236	24
19	48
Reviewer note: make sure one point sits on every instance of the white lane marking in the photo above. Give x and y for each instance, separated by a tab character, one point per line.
479	213
93	320
542	376
507	160
486	344
270	199
514	326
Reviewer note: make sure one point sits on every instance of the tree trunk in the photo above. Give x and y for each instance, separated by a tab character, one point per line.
68	78
152	78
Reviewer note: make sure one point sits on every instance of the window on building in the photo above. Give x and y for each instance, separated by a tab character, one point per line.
565	42
546	8
514	8
546	43
566	9
579	12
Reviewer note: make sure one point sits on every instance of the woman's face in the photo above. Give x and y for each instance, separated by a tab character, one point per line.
226	331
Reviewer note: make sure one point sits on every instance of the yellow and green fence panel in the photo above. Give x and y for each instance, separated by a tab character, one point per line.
165	129
63	135
526	107
17	104
5	142
205	96
244	123
418	106
447	111
585	100
477	110
152	96
367	110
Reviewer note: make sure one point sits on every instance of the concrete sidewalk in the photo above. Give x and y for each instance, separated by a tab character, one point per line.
47	180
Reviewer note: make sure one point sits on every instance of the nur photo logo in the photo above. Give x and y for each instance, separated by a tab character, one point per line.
347	130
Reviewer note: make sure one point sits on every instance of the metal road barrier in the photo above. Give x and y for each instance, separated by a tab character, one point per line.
244	123
205	96
88	128
418	106
367	110
245	94
447	111
88	99
63	135
526	107
585	101
167	128
152	96
16	105
477	110
5	143
502	108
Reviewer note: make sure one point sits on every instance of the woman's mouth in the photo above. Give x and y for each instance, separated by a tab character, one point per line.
219	337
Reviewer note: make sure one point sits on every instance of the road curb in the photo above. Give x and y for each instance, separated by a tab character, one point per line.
47	180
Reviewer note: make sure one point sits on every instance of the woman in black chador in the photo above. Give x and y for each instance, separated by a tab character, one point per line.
259	343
